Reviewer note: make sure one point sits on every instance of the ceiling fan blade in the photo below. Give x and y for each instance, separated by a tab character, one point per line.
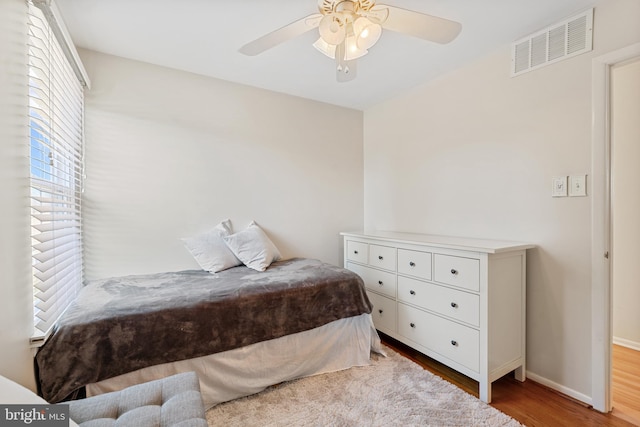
281	35
421	25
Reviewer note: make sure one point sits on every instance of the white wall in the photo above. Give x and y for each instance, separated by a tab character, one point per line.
16	295
170	154
625	201
473	154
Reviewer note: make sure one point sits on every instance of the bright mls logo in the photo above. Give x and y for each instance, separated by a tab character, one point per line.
34	415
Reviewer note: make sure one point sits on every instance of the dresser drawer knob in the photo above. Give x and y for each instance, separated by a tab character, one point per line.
412	264
454	305
380	257
454	343
454	271
380	282
355	252
380	311
412	292
413	325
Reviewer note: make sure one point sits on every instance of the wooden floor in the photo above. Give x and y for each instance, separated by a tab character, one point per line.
529	402
626	383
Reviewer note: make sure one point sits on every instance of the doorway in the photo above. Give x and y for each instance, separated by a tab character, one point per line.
602	298
625	235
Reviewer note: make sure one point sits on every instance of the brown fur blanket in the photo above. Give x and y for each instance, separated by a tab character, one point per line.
119	325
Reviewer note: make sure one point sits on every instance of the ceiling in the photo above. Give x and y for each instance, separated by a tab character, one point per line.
203	37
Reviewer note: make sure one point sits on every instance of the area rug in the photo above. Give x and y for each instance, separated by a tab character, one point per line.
392	391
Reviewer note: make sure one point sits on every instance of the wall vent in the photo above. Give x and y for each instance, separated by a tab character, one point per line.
555	43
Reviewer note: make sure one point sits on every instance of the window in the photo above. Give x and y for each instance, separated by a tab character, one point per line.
56	113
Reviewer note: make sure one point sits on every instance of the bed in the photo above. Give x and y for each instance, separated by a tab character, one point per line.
241	330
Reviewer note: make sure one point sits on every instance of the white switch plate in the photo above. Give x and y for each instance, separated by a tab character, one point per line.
577	185
559	186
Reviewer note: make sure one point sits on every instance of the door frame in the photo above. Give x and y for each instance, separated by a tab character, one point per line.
601	292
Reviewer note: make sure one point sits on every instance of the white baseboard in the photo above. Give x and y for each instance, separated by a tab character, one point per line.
560	388
627	343
573	393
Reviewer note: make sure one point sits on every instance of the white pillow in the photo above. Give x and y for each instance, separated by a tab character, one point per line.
210	251
253	247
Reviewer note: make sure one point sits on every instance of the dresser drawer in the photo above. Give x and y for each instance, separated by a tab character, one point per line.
457	271
458	305
383	313
382	257
452	340
357	251
414	263
375	280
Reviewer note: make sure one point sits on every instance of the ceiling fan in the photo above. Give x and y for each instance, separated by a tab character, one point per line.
348	28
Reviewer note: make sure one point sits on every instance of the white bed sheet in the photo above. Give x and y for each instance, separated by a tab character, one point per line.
225	376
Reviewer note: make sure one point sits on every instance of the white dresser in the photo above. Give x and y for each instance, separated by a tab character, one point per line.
460	301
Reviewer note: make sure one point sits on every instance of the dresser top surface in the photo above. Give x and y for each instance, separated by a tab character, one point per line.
448	242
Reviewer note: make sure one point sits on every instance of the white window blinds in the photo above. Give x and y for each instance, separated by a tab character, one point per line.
56	112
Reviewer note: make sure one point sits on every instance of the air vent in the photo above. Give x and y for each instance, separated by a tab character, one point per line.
555	43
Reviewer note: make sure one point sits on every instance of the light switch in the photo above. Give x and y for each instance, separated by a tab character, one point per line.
577	185
559	186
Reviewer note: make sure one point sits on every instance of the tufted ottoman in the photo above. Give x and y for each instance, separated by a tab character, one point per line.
171	401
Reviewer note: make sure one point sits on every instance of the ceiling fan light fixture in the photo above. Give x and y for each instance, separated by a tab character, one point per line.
367	33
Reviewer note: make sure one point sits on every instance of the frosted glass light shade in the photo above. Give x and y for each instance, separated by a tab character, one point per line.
331	30
326	48
352	51
367	33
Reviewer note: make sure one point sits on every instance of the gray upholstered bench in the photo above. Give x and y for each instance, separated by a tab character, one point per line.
171	401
